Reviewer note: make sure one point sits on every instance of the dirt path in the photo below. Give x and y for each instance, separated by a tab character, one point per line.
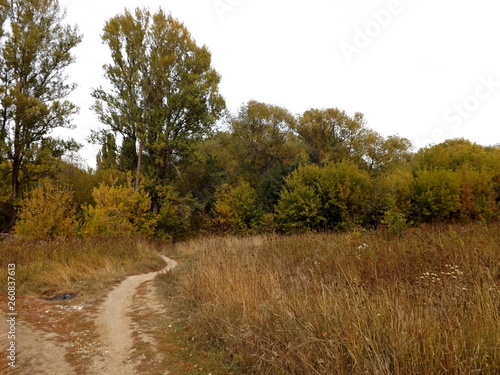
45	352
114	325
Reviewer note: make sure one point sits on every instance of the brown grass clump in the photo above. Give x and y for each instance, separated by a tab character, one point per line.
74	264
354	303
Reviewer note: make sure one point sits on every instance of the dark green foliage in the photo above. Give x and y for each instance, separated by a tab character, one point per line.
175	213
236	208
327	197
107	157
436	195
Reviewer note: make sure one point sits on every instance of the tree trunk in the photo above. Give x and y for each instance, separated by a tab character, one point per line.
139	165
16	168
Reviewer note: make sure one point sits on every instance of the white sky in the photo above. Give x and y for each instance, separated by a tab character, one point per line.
426	70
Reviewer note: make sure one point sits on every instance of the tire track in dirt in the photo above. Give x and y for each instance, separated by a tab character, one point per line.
114	325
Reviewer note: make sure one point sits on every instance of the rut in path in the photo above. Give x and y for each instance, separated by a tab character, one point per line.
114	324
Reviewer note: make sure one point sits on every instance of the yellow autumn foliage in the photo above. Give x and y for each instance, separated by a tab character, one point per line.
119	210
46	213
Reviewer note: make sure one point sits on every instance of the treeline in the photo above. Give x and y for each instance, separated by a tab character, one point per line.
260	175
174	163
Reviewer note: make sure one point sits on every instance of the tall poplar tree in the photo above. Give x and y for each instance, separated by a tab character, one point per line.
35	49
164	92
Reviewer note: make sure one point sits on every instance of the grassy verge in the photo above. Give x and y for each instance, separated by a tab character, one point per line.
75	265
352	303
183	353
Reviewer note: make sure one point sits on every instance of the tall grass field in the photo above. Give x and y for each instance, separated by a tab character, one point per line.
352	303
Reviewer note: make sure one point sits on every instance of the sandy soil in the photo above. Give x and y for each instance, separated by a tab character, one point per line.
114	325
44	352
38	352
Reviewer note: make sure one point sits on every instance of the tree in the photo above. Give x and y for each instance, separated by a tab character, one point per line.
47	212
451	155
164	92
260	139
35	50
381	153
107	157
475	169
477	194
236	207
174	217
321	198
436	195
330	134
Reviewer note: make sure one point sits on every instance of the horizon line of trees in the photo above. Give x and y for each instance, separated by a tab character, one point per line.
164	170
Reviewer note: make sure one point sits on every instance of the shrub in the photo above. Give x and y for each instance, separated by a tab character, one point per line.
119	210
394	218
436	195
236	207
323	197
46	213
477	195
175	214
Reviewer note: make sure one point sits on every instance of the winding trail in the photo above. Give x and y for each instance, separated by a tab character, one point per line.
102	341
114	324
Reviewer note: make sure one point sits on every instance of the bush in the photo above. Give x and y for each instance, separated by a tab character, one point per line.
394	219
477	195
323	197
119	210
236	208
436	195
175	214
46	213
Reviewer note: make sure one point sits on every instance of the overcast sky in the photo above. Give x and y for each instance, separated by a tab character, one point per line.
426	70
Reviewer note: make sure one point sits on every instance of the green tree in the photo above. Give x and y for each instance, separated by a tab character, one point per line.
261	135
47	212
326	197
45	159
381	154
107	157
236	208
476	170
80	181
174	218
330	134
451	155
35	50
164	95
436	195
391	193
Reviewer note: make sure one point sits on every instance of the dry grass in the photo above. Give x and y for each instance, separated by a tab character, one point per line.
75	265
354	303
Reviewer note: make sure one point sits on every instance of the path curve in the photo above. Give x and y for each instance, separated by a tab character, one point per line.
114	324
